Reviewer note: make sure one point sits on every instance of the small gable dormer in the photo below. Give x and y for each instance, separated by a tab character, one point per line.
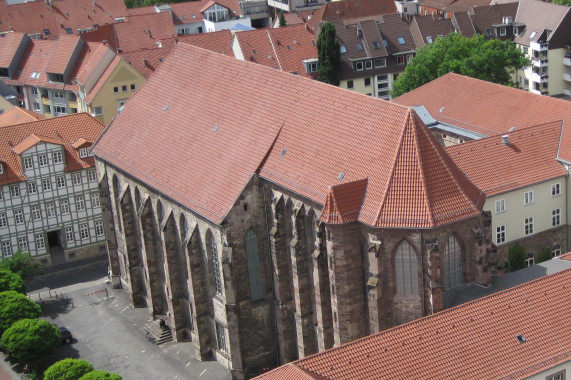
83	147
30	160
215	12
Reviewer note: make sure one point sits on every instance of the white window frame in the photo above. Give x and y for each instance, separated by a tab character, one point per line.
76	178
501	234
15	191
19	216
6	248
57	157
79	203
60	180
95	202
528	226
380	62
503	31
528	197
50	210
43	160
530	260
64	206
3	220
32	188
1	170
500	205
97	111
36	213
368	64
46	184
82	152
359	66
23	244
556	217
28	163
99	229
69	238
556	189
40	242
91	176
84	231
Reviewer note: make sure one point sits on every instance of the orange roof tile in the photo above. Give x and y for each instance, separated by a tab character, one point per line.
566	256
147	61
282	48
218	42
352	9
9	43
65	46
242	129
18	115
477	340
343	203
143	31
105	33
99	53
529	158
63	130
38	16
488	108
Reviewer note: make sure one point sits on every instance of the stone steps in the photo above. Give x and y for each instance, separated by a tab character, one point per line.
57	256
156	334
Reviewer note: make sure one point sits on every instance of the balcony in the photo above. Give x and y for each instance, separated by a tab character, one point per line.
567	91
72	103
540	77
45	100
567	77
539	92
567	60
539	62
539	46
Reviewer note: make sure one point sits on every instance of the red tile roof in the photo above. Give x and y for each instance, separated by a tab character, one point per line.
143	31
102	79
243	128
17	115
352	9
9	43
343	203
62	130
488	108
218	42
37	16
529	158
477	340
147	61
565	256
65	46
105	33
282	48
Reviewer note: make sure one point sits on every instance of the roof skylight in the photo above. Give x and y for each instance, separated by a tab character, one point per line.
532	35
376	44
401	40
359	47
342	49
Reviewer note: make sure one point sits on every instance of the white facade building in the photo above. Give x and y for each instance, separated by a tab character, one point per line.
49	199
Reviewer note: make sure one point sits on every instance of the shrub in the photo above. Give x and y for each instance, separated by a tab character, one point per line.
68	369
15	306
29	339
516	257
11	281
100	375
544	255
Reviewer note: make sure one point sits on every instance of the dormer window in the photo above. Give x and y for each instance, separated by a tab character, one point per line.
58	78
216	13
342	49
359	66
429	39
310	65
503	31
376	44
83	153
1	168
359	47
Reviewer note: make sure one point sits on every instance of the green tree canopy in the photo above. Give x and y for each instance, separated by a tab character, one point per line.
29	339
11	281
100	375
68	369
22	264
282	19
328	54
15	306
516	257
491	60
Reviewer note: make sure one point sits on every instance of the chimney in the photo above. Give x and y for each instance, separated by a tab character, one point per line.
145	62
505	139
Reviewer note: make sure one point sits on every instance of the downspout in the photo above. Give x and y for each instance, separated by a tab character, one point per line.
272	267
422	270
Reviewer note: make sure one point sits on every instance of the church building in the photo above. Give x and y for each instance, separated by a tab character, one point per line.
267	217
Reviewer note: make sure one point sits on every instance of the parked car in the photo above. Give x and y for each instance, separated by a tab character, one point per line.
66	336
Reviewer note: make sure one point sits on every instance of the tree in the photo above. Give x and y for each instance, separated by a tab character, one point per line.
100	375
22	264
29	339
11	281
68	369
544	255
491	60
15	306
328	55
282	19
516	257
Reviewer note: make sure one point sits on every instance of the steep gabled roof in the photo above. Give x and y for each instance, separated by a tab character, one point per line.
18	115
528	157
513	334
143	31
63	130
296	132
488	108
428	26
9	44
343	202
352	9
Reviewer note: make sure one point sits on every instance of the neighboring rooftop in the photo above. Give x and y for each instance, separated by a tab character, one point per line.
512	334
289	141
487	108
18	115
63	130
352	9
520	158
143	31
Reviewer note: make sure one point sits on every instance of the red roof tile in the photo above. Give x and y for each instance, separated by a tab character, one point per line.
17	115
352	9
65	46
566	256
242	129
282	48
147	61
143	31
343	203
38	16
477	340
218	42
488	108
9	43
529	158
105	33
62	130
